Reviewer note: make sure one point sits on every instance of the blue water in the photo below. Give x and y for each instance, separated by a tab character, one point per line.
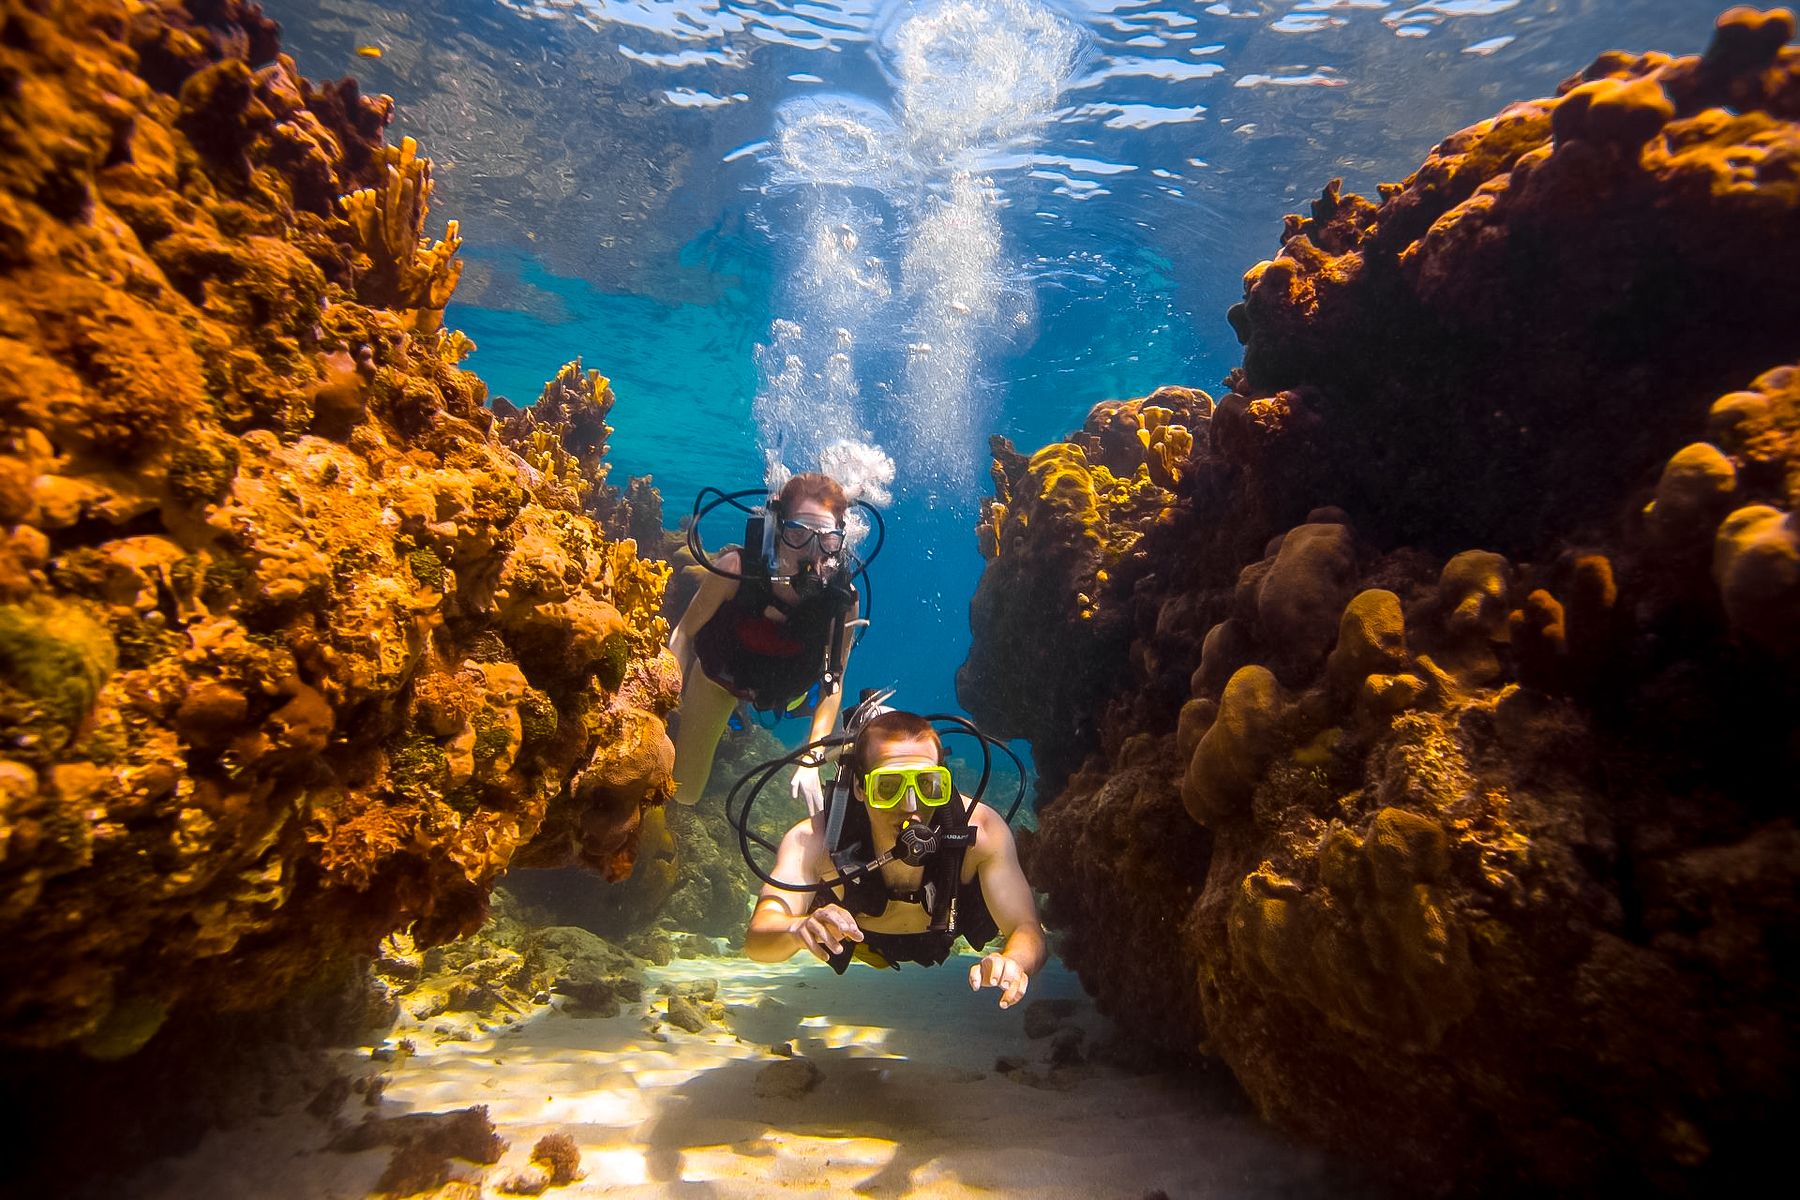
944	220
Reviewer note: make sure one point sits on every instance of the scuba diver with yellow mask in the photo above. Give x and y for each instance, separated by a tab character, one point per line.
772	625
898	865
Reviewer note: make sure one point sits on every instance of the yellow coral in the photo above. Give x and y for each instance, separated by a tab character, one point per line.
454	345
1084	501
636	588
1166	445
1376	948
989	529
557	468
1695	487
406	270
1230	757
1371	640
1756	564
563	439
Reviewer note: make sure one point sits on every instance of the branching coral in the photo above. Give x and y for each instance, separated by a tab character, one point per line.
405	270
562	438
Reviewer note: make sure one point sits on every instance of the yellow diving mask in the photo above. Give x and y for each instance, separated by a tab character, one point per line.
885	786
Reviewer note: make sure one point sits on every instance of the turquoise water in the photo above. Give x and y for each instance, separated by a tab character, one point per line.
909	226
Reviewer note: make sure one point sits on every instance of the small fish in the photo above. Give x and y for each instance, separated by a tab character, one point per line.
369	51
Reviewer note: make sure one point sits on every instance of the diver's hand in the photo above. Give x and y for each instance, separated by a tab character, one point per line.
997	970
807	788
824	931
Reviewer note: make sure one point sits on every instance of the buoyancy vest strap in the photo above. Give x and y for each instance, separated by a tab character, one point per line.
958	838
833	678
834	816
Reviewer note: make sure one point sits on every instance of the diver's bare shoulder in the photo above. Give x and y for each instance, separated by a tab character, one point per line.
993	837
804	845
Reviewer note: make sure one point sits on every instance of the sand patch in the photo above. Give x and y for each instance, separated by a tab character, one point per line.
875	1084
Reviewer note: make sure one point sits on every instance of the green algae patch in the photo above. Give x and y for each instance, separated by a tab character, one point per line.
54	659
492	739
221	580
419	769
126	1029
487	646
427	568
201	472
615	656
537	718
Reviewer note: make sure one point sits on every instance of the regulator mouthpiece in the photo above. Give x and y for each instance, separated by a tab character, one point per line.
806	580
916	842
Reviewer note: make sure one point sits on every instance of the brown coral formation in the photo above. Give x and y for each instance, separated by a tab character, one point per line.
1075	512
294	652
555	1161
1465	642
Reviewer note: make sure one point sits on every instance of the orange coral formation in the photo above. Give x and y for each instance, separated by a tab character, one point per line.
294	652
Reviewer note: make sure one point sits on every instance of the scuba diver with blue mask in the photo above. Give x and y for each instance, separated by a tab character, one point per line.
771	627
898	865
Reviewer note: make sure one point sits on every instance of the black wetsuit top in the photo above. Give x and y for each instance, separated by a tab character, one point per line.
869	896
768	660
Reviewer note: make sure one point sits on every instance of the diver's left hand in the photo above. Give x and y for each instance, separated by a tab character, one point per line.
997	970
807	788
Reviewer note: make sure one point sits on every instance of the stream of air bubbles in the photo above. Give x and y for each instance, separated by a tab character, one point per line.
899	284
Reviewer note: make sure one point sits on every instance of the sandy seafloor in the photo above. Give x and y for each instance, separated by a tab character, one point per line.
909	1103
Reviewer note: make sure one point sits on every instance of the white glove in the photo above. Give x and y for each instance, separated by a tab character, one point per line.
807	788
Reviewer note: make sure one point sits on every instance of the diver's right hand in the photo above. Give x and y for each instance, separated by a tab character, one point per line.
808	788
824	930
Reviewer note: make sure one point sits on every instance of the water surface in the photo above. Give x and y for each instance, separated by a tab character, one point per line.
783	227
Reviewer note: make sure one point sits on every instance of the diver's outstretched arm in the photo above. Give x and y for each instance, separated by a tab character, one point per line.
781	924
1010	903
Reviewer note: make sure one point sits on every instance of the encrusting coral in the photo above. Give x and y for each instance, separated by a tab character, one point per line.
293	651
1464	642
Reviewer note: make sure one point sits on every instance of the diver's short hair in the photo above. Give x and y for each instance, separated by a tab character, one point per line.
891	726
822	490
